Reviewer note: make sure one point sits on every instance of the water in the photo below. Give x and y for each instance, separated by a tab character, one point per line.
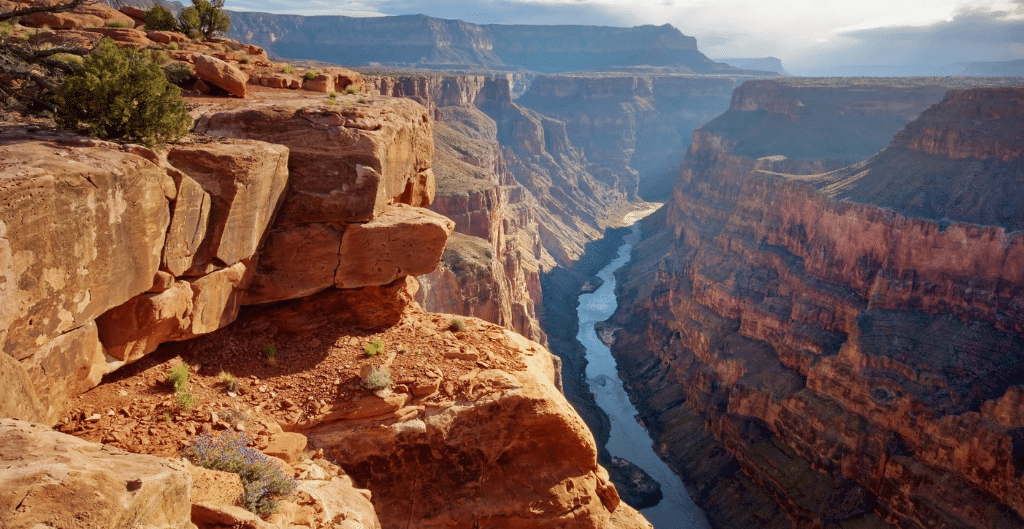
629	440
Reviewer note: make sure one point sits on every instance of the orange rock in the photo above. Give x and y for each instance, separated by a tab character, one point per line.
124	36
167	37
222	74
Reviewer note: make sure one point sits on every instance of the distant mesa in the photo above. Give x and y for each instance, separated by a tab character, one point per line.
425	42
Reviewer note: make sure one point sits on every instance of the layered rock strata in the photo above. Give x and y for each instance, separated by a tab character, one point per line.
833	362
109	251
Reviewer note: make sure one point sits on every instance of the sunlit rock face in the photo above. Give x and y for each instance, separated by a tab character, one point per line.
832	360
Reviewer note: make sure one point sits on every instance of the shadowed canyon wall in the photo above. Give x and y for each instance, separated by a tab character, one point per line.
808	362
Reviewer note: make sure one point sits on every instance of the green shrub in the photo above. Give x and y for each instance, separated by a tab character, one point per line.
179	73
350	90
177	377
374	348
158	18
5	29
262	481
377	378
117	24
287	69
457	325
332	95
243	60
230	381
270	353
184	399
122	94
172	46
204	19
161	57
309	75
362	99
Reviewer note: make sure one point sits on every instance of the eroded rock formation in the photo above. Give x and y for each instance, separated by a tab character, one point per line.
830	361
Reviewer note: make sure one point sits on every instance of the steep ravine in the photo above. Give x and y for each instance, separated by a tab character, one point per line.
809	362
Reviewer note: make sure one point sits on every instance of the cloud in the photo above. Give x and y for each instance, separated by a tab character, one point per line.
971	35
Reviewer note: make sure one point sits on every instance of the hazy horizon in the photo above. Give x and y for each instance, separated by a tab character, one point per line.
837	39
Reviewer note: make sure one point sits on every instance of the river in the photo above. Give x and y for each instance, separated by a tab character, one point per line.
629	440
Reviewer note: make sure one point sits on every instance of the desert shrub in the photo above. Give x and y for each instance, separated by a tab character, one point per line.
377	378
269	353
457	324
117	24
332	95
184	399
160	57
243	60
230	381
309	75
374	348
204	19
350	90
287	69
158	18
122	94
362	100
177	377
179	73
5	29
172	46
262	481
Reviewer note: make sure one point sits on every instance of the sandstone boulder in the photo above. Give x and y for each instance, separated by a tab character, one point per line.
66	367
167	37
321	83
295	262
188	309
344	506
222	74
526	426
124	36
346	163
190	215
65	39
81	231
51	479
287	446
402	241
245	181
278	80
20	400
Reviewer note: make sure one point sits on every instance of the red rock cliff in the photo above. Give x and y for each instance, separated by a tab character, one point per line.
832	361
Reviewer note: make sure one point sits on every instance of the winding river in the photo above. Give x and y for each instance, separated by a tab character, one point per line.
629	440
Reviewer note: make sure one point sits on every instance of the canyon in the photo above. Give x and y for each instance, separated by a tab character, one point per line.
820	328
820	349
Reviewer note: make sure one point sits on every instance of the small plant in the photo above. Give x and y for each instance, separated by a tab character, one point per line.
172	46
270	353
243	60
350	90
230	381
167	416
262	481
184	399
332	95
309	75
117	24
374	348
177	377
403	350
457	325
161	57
5	29
362	99
377	378
287	69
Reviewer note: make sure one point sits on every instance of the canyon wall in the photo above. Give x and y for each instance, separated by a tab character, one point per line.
832	362
419	41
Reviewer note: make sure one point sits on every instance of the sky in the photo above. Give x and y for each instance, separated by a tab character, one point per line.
811	37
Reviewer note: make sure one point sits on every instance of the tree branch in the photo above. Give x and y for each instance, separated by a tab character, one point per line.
57	8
